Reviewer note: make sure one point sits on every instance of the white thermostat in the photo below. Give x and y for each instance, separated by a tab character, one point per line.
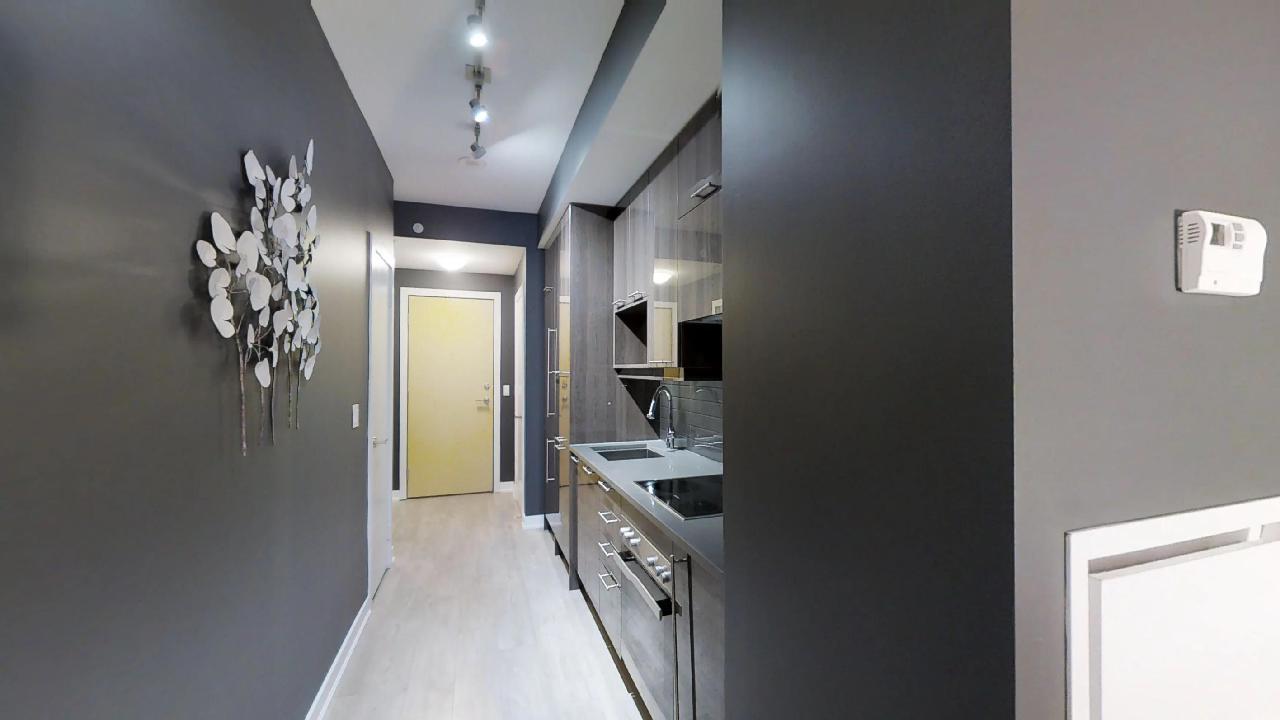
1220	254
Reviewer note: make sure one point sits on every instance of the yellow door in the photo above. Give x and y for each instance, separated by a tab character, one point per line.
449	396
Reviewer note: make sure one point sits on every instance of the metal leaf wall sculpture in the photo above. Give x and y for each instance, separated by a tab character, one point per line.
260	287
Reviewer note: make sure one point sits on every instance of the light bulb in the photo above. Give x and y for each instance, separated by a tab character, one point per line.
479	113
451	262
660	277
475	32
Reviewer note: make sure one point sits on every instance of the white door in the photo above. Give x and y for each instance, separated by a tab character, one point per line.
381	335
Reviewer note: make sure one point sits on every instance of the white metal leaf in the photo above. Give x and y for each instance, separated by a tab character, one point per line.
259	291
264	317
285	228
263	372
294	276
255	221
270	175
311	150
222	235
220	310
309	367
277	291
305	320
288	202
304	197
275	193
206	252
259	190
311	220
219	280
280	321
275	352
252	168
247	249
293	166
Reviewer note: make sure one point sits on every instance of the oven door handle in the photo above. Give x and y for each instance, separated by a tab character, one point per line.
654	597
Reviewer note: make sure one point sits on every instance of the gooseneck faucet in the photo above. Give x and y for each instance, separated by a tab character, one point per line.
671	412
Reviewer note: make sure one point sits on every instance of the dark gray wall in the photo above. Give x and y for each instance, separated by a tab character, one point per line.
868	360
505	284
149	570
1133	400
445	222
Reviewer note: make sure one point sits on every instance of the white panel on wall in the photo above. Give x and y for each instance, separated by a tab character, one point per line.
1189	638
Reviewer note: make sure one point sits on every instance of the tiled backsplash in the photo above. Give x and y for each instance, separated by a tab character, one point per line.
699	416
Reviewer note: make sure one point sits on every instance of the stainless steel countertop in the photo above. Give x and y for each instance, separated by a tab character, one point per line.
701	537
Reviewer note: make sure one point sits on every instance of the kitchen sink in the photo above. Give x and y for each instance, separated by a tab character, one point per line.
638	452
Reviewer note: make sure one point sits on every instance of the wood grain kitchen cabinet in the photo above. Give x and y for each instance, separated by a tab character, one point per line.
700	592
698	160
700	265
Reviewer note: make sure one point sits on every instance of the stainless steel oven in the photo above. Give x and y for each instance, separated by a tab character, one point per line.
647	617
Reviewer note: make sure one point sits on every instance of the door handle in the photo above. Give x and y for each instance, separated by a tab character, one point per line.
485	399
377	441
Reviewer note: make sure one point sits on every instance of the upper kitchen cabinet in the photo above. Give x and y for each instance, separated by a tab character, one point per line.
699	274
663	310
698	163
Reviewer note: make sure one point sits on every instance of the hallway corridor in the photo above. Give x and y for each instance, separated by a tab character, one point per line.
475	621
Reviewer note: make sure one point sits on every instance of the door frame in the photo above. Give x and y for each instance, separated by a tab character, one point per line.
495	387
517	393
376	255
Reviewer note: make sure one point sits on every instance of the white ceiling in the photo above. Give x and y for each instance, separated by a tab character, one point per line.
677	71
428	254
404	62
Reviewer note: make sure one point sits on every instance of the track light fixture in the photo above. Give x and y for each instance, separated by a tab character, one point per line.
476	35
477	150
479	113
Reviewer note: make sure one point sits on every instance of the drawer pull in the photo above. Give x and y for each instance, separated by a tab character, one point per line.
606	515
605	582
604	487
588	470
606	548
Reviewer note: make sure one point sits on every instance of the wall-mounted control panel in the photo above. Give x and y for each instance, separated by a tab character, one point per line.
1220	254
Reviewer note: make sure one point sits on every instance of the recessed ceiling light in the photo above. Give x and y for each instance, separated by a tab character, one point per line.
451	262
476	35
660	277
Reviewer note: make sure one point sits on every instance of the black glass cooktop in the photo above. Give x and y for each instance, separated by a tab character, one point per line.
693	497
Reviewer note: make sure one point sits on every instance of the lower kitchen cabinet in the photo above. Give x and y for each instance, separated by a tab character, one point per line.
700	590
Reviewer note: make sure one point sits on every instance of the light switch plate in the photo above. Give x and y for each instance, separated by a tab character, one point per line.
355	415
506	391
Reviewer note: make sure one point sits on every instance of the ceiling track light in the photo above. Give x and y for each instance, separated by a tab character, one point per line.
477	150
476	35
479	113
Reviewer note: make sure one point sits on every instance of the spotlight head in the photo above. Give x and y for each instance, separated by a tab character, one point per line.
476	35
477	150
479	113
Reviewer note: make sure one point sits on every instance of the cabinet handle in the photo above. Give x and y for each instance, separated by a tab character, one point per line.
588	470
559	447
619	302
604	487
606	520
573	459
605	548
705	188
605	582
551	406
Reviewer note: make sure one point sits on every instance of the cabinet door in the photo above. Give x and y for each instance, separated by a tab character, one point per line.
620	258
700	269
700	592
697	160
663	309
641	238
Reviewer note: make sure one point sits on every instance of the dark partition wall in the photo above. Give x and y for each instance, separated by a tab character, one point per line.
868	360
1133	400
148	570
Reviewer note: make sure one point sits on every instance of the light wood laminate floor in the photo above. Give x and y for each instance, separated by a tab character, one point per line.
475	621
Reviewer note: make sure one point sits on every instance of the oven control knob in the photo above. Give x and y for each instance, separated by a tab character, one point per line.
665	576
626	532
634	542
651	561
660	569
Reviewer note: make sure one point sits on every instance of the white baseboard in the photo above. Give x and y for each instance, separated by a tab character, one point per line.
399	494
531	522
320	705
506	487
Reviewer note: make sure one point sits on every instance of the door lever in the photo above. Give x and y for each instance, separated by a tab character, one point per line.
377	441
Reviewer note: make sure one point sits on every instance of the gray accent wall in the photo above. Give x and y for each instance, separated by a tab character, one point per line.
868	359
504	284
147	570
1133	400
